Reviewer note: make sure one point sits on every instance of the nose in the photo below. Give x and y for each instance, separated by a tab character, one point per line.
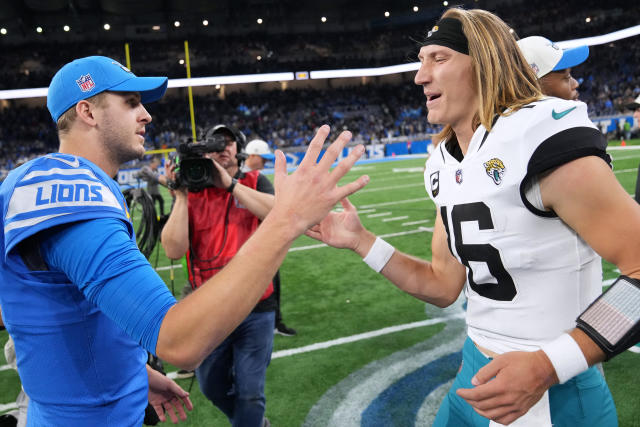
145	117
574	84
423	76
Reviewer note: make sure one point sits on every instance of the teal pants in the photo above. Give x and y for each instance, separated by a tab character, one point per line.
585	400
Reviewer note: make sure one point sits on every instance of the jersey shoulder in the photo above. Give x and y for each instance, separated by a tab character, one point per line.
432	168
56	189
543	119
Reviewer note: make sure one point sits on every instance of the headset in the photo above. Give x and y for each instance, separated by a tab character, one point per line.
236	134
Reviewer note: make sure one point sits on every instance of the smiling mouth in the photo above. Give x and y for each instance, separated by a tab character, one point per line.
432	97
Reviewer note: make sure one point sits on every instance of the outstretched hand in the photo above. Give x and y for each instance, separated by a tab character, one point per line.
339	229
508	386
306	196
167	396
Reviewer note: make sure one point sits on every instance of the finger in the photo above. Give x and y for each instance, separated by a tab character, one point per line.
315	146
279	168
487	372
180	409
346	164
334	150
169	409
482	392
159	411
347	205
313	234
187	402
491	403
508	418
352	187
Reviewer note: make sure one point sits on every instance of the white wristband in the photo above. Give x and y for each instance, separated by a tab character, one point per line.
379	254
566	357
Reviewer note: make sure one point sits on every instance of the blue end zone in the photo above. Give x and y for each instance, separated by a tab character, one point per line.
399	404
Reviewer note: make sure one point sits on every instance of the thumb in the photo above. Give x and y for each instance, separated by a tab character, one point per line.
487	372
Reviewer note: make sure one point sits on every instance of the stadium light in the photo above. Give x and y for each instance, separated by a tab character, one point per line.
38	29
588	19
323	19
176	24
205	22
226	80
181	62
416	8
156	28
324	74
107	27
364	72
445	3
3	31
66	28
259	21
386	14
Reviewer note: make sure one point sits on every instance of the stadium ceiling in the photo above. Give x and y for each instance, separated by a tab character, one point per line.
21	18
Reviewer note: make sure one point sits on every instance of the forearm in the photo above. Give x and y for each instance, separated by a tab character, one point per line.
417	277
258	203
591	351
196	325
175	233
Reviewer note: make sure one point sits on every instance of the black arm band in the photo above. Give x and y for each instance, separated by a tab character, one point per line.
613	320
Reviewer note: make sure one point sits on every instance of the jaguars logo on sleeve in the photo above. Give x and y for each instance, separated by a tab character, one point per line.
53	190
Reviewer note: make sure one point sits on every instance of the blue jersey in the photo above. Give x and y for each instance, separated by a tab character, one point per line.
80	316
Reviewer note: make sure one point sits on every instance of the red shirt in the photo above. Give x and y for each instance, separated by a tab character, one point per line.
211	212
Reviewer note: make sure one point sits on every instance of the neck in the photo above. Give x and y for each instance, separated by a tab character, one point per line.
88	149
464	135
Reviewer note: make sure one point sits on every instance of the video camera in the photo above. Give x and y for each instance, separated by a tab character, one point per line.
197	172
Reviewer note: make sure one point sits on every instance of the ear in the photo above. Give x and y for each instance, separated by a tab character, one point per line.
85	112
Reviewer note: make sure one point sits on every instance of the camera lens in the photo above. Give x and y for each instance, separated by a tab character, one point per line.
196	172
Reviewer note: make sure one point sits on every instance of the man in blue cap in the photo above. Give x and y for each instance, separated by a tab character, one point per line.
79	299
552	65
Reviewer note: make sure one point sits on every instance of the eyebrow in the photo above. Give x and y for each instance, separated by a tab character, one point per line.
434	53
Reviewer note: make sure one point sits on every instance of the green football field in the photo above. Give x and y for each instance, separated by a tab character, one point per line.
340	308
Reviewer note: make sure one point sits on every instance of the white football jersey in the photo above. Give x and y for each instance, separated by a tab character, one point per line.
528	274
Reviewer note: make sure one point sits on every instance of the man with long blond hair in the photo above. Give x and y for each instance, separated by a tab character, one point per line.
523	191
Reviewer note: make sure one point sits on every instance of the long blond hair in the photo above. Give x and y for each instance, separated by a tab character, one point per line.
503	79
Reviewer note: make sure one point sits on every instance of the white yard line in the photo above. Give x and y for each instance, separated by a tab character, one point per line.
396	218
401	233
625	170
376	215
397	202
406	224
363	336
392	187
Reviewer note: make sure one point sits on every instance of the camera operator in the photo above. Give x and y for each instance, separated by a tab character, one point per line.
211	224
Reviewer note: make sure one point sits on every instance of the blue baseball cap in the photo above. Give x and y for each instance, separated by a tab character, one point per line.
544	56
86	77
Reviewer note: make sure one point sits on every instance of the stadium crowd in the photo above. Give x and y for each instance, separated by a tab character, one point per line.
289	118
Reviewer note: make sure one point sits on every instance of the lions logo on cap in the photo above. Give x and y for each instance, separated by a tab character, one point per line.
433	30
495	169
